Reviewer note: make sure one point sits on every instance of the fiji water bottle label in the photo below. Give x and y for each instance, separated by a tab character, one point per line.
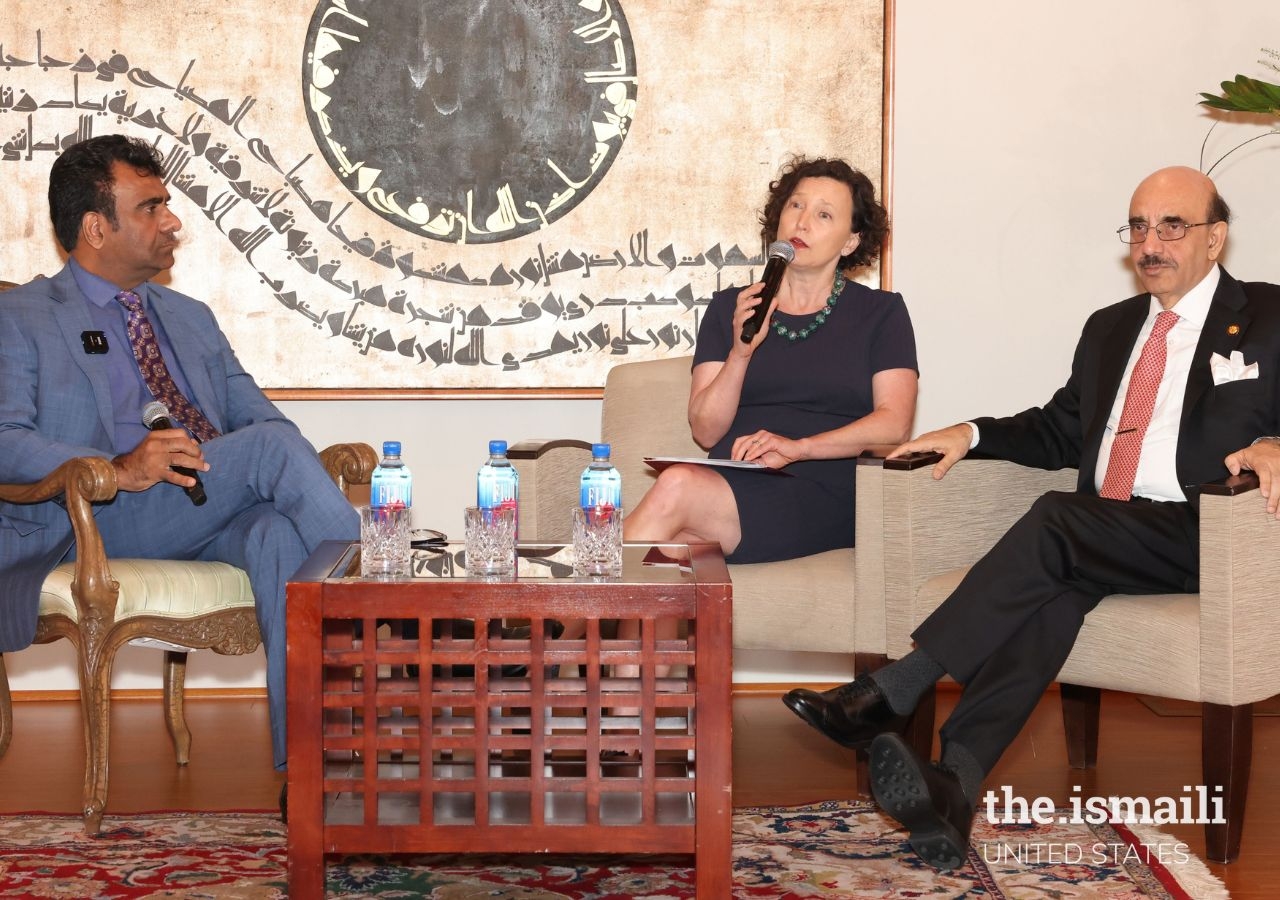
601	489
496	493
393	496
606	496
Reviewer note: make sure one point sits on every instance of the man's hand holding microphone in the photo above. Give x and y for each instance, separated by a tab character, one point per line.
168	453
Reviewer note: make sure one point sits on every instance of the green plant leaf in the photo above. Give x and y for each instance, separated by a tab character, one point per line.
1216	102
1270	90
1247	95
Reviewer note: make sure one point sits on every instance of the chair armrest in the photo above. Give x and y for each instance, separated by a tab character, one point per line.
349	464
1239	582
80	482
93	479
87	480
870	623
1231	485
549	471
932	527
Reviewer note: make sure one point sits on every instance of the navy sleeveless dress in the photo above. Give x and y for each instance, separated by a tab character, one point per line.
800	388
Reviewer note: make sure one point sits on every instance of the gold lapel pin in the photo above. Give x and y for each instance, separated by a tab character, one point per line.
1233	329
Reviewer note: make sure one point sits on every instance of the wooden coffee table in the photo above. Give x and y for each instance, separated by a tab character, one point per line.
441	714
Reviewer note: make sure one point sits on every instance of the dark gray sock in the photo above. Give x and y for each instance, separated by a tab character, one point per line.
959	760
904	680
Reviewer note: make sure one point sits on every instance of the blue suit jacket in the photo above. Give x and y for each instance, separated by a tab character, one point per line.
55	405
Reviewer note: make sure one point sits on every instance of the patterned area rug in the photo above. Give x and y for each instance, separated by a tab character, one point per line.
826	850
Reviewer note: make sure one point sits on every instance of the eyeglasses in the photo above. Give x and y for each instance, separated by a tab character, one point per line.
1173	230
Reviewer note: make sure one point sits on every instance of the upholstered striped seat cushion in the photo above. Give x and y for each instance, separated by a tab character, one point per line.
794	604
179	590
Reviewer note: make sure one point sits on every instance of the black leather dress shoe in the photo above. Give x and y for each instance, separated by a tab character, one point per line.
284	803
852	714
926	799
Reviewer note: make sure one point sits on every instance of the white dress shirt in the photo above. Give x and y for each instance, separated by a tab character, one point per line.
1157	476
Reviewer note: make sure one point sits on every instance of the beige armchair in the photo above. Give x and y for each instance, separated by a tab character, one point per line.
1217	648
821	603
100	605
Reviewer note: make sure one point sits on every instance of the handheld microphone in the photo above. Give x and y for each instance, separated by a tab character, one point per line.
780	253
155	416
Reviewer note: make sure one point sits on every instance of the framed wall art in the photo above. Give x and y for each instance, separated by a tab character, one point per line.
402	197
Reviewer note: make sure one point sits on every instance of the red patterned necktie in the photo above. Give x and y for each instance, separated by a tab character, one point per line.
1139	401
142	339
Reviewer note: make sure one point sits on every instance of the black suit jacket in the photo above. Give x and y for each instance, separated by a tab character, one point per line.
1216	420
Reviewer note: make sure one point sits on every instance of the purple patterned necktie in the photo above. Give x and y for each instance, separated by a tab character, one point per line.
142	339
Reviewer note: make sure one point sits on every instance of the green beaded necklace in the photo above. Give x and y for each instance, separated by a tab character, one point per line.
792	335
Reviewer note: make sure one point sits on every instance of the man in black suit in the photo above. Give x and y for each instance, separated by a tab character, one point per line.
1169	389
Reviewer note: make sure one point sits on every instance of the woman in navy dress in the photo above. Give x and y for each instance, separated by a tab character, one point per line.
832	371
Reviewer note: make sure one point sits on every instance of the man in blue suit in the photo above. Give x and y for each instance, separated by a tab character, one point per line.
77	366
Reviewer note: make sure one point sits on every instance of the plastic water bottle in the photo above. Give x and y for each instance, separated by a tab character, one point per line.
392	483
597	526
601	484
498	484
385	550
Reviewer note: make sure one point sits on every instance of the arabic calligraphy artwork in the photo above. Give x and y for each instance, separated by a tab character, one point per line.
492	120
464	261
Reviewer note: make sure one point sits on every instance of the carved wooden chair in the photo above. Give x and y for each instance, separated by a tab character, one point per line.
100	605
1216	648
820	603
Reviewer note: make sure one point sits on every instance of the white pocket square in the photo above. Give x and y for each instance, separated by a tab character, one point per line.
1233	369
